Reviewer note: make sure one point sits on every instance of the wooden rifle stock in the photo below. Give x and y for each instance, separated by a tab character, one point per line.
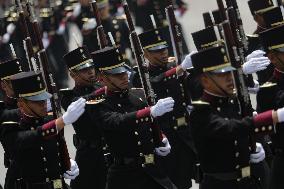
143	70
100	30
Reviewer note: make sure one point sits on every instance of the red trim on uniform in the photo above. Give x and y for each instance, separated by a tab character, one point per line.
278	74
171	72
143	113
263	119
100	91
49	125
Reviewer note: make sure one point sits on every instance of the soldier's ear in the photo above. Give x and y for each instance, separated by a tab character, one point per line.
205	81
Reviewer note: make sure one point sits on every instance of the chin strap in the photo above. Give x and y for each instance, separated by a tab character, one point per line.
35	114
88	81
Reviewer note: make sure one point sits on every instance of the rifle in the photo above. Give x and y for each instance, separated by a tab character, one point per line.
100	29
207	19
27	42
51	86
242	90
176	39
142	68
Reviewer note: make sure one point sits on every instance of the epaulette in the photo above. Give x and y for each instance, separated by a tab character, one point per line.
268	85
94	102
121	17
200	104
10	123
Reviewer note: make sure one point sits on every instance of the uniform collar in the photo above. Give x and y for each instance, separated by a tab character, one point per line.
214	99
119	94
30	121
278	75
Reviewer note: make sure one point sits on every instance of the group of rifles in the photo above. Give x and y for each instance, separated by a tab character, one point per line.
155	118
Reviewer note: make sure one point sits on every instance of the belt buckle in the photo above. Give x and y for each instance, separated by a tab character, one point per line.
149	159
245	172
57	184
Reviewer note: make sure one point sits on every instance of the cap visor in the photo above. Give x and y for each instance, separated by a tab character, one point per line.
280	49
84	66
118	70
43	96
158	48
223	70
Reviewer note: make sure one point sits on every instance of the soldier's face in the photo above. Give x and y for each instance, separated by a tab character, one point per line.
85	77
33	108
104	12
220	84
159	58
277	59
116	81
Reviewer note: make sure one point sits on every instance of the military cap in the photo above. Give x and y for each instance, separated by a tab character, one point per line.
206	38
273	39
259	6
273	17
78	59
9	68
109	60
102	3
30	85
154	40
213	59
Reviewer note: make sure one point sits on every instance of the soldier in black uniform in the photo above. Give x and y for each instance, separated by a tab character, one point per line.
127	122
272	93
166	79
221	136
257	8
116	25
38	150
88	138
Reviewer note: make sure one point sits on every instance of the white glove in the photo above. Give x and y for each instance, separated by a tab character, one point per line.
11	28
259	155
45	40
255	64
164	151
6	38
61	29
74	111
255	89
77	10
48	105
163	106
189	109
254	113
90	24
255	54
73	172
280	115
187	62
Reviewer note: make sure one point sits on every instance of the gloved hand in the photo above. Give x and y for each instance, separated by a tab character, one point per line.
259	155
11	28
255	64
164	151
45	40
6	38
73	172
255	89
90	24
189	109
187	62
255	54
280	115
163	106
74	111
77	11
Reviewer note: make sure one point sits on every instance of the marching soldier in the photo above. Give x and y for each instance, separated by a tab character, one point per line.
38	150
221	136
271	96
88	138
164	73
127	123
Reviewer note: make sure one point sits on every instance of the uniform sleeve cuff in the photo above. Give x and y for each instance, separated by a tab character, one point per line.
263	122
170	72
143	113
49	129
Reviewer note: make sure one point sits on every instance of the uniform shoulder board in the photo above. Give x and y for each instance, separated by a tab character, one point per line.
10	123
268	85
94	102
200	103
121	17
252	35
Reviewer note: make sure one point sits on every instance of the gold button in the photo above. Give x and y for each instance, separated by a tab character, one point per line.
47	179
43	134
59	164
150	129
237	166
146	119
236	142
44	159
41	148
263	128
175	128
52	130
47	132
270	128
136	133
139	143
237	154
32	128
152	140
46	169
256	130
141	154
137	121
218	109
184	104
142	120
143	165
